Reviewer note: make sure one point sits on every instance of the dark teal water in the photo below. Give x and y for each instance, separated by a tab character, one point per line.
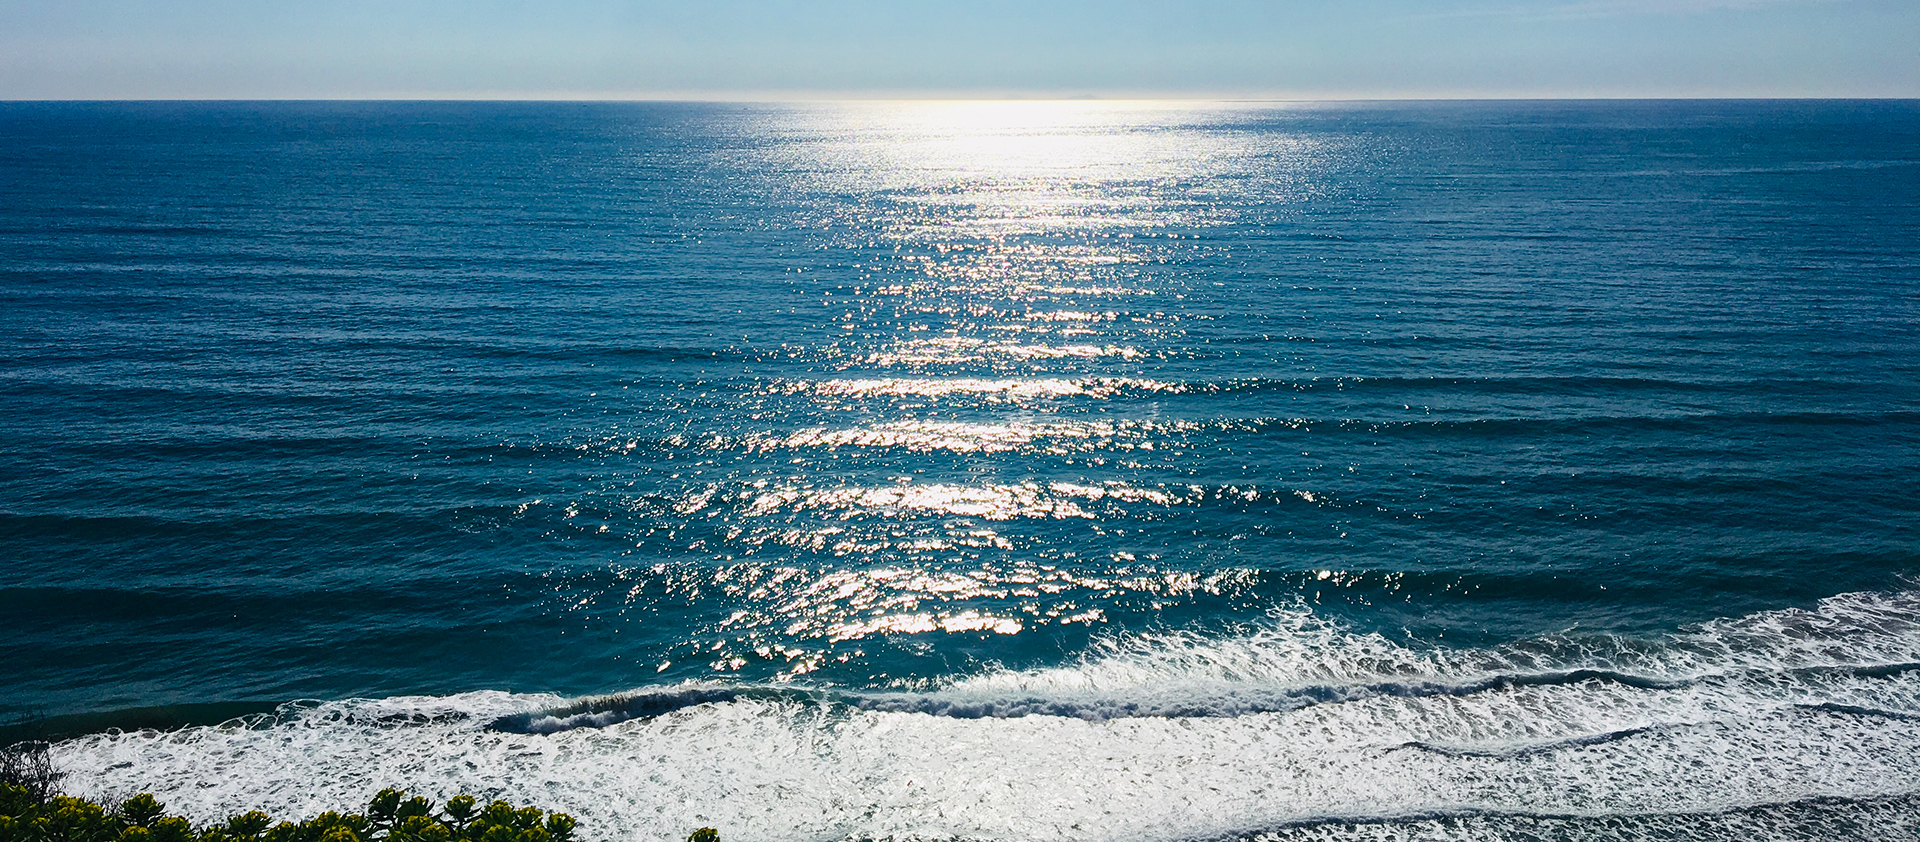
1556	429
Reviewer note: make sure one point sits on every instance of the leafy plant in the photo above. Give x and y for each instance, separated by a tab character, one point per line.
36	815
29	766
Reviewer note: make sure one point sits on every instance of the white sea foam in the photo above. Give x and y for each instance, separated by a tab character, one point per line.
1744	728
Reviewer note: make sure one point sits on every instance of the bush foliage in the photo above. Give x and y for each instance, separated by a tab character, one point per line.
28	766
27	815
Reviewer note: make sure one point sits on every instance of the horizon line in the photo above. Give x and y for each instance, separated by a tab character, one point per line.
823	98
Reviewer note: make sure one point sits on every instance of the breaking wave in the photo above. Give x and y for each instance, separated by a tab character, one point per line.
1800	723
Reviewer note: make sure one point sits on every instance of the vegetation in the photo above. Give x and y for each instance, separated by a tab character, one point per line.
27	766
31	810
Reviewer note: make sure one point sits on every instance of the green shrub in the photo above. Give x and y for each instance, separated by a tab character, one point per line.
29	815
29	766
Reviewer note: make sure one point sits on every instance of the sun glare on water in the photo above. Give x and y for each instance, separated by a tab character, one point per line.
1011	303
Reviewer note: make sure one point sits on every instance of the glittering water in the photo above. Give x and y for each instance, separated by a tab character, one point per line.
977	470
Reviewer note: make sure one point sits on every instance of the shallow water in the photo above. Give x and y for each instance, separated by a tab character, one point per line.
1023	470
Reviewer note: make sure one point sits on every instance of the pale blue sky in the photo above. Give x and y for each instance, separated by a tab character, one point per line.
737	49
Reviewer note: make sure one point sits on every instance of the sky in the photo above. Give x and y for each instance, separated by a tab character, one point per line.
787	49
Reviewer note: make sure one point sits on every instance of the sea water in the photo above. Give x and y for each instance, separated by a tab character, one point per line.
1000	471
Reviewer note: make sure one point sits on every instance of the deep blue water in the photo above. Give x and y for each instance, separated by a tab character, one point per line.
1556	424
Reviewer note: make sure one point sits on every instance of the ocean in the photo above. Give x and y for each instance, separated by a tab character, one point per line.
973	470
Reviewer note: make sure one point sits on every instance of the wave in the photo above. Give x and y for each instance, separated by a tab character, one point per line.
615	709
1115	386
1001	388
1781	724
1813	818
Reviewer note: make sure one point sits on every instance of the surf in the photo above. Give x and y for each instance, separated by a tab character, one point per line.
1300	729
